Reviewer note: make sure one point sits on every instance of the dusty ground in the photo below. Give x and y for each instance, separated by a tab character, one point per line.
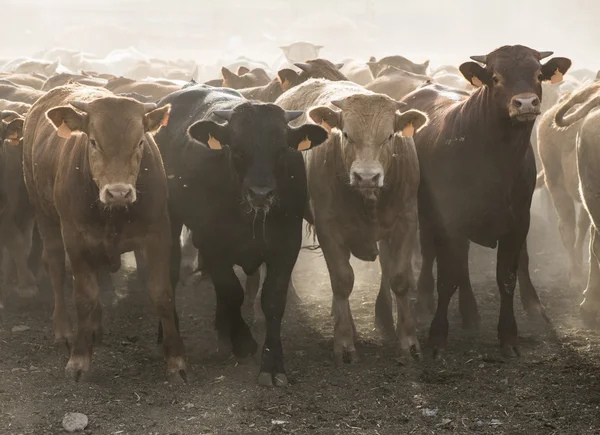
552	389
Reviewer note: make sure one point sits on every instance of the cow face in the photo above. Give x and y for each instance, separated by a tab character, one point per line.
11	127
514	76
245	78
259	138
115	131
368	126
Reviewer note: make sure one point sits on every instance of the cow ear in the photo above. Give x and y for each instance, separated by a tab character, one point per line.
8	115
325	117
157	118
287	79
409	122
67	120
475	74
242	70
13	131
210	133
555	69
229	78
306	136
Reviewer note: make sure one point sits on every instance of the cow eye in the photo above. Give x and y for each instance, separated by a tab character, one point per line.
141	144
496	79
93	143
345	135
541	77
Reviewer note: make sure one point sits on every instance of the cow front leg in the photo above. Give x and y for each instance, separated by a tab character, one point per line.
396	266
231	327
174	270
509	252
273	300
157	252
425	284
467	304
86	293
337	257
529	297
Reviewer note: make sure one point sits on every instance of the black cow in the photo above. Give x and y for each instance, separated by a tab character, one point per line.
237	181
477	179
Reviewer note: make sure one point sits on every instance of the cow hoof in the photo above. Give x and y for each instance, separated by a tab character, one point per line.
176	369
535	311
412	353
338	358
353	357
77	367
28	292
509	351
177	377
280	380
265	379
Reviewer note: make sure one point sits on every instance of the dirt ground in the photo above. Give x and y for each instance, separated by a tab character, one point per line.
553	388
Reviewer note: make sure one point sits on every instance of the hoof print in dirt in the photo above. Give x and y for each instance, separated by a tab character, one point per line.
268	380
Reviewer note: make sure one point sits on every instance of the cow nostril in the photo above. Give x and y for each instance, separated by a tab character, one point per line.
376	178
109	194
518	103
357	176
127	194
535	102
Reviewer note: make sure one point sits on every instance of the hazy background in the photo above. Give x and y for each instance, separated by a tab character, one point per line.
209	31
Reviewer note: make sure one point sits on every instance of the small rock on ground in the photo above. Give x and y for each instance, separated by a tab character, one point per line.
20	328
74	422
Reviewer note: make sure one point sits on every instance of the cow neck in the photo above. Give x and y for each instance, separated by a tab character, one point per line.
506	140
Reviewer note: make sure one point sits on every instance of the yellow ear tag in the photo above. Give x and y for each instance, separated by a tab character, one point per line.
64	131
476	82
213	143
557	77
409	130
304	145
326	126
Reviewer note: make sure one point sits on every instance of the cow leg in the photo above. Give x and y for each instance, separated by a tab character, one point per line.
450	256
529	297
467	304
18	248
425	300
162	295
231	327
174	270
189	254
89	314
53	256
565	208
35	254
583	227
273	299
510	248
590	307
384	318
337	257
141	266
396	268
254	293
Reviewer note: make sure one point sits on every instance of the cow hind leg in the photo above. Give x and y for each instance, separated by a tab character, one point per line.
529	297
384	318
590	307
18	248
583	227
425	298
467	304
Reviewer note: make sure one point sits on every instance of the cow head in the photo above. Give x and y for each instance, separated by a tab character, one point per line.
247	79
514	76
301	51
368	126
115	131
259	138
11	127
311	69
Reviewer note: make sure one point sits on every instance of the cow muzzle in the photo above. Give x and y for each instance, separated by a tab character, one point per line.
260	197
524	107
118	194
371	178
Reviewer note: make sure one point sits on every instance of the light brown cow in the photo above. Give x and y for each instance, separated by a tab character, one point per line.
64	78
558	156
362	193
154	90
396	83
15	106
588	165
35	81
98	187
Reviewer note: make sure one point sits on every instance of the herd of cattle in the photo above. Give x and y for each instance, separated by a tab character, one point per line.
128	154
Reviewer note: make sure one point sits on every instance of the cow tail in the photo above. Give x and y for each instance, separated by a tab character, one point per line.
562	120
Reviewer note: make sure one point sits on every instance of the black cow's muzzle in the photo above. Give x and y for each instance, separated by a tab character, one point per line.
260	197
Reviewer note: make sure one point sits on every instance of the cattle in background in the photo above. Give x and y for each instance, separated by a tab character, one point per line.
287	79
363	184
396	83
238	183
477	179
21	94
558	156
297	52
64	78
35	66
20	108
16	216
587	117
35	81
98	187
357	72
155	91
244	78
399	62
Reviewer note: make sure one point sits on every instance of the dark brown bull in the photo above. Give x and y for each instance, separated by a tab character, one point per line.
477	179
98	187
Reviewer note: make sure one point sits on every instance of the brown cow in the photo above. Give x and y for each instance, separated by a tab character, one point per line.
98	187
34	81
287	79
558	155
15	106
362	193
587	117
10	91
477	180
154	90
64	78
396	83
16	217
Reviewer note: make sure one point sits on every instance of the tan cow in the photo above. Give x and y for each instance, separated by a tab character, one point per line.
558	156
396	83
588	165
362	197
98	188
